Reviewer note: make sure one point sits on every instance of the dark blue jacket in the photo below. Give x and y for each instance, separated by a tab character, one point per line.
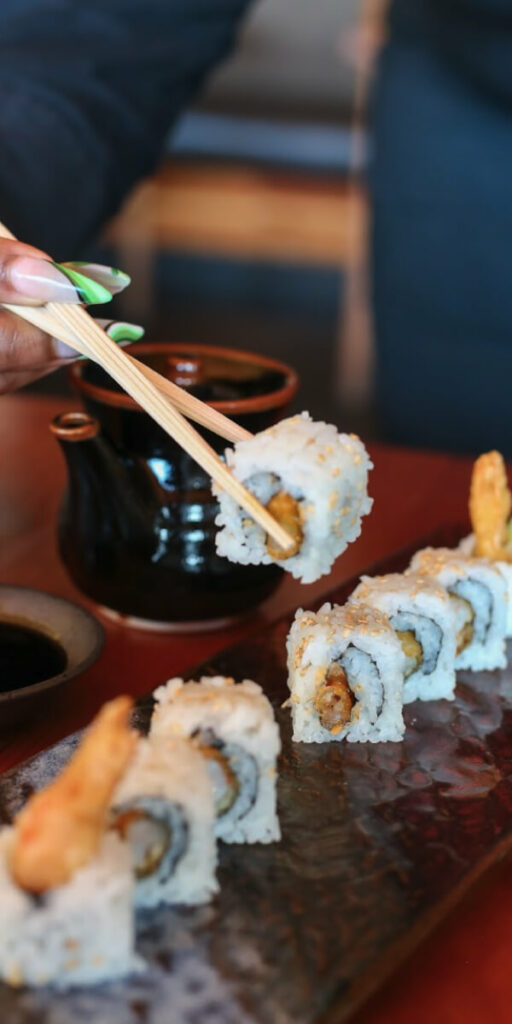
442	224
88	92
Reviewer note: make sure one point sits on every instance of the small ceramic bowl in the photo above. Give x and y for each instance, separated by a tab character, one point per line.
76	631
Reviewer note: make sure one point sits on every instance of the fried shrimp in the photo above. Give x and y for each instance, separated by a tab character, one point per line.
60	828
286	510
334	700
489	507
412	649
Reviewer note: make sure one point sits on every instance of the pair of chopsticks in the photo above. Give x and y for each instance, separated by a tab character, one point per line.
161	399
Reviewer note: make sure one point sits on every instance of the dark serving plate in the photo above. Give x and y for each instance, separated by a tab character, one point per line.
379	842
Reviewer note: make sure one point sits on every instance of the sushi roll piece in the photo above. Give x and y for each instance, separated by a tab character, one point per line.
233	727
479	595
164	809
79	933
422	615
468	549
313	480
66	884
345	676
489	509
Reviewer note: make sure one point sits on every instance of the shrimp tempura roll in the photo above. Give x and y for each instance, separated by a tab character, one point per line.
479	595
313	480
345	674
490	504
66	883
164	808
421	613
80	933
233	727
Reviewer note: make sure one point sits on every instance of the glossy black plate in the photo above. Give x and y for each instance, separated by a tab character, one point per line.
379	841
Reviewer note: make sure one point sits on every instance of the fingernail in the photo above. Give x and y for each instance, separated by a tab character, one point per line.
122	332
111	278
89	292
42	280
63	351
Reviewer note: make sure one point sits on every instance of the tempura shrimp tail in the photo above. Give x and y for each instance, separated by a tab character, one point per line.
60	828
489	507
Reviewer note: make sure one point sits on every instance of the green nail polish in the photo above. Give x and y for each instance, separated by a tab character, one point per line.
120	331
88	291
120	274
112	278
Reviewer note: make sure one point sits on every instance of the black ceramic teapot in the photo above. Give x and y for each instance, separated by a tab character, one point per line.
137	524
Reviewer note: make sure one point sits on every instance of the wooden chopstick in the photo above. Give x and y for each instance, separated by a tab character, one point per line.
96	344
130	377
191	407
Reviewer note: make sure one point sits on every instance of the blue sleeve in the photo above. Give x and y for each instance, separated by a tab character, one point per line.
473	38
88	92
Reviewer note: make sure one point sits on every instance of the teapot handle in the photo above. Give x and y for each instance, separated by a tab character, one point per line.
74	426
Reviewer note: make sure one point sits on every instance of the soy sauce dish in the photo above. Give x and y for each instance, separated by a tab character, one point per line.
44	642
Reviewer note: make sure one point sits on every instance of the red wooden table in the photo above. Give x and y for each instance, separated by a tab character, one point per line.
461	973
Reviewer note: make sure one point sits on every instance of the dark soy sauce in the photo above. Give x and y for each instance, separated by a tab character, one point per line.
27	656
221	380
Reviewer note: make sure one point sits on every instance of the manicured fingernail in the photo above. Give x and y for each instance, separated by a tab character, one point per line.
111	278
63	351
121	332
88	291
41	280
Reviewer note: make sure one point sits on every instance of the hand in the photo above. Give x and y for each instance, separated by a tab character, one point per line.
29	277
